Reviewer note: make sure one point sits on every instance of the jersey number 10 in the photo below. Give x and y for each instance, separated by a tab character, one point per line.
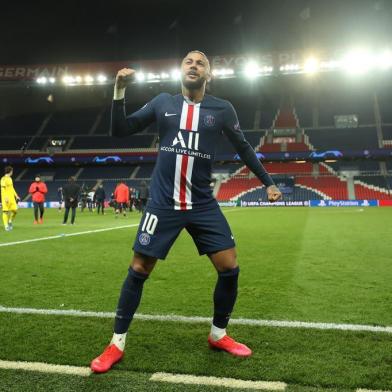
150	223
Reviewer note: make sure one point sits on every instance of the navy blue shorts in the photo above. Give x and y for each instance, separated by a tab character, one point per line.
159	229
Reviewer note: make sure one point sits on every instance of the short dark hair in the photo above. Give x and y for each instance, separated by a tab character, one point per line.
8	169
202	54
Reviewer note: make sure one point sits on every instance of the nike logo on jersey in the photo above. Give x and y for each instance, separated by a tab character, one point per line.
170	114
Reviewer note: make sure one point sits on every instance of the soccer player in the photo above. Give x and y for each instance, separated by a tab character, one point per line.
38	190
190	125
9	199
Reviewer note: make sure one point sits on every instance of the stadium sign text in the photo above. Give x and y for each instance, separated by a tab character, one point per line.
343	203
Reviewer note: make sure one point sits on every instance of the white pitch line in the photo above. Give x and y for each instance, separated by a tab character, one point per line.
67	235
197	319
231	210
370	390
45	368
218	381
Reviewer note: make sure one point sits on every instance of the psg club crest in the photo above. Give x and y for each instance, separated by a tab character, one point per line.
209	120
144	238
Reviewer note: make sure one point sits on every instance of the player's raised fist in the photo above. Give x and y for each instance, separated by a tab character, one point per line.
124	77
273	193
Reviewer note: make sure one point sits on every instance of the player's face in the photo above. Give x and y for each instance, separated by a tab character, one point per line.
195	71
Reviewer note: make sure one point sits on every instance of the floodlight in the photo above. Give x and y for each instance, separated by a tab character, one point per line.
176	74
251	70
311	65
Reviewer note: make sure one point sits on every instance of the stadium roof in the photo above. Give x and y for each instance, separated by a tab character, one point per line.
75	31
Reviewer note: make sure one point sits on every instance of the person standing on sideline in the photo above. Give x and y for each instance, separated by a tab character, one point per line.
121	195
60	197
143	195
99	198
71	192
9	199
191	124
38	190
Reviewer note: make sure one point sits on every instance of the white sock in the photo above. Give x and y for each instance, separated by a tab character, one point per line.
217	333
119	340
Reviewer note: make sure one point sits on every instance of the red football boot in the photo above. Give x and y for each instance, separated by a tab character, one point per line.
41	221
230	345
35	222
107	359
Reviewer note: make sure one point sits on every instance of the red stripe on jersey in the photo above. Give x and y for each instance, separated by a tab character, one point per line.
184	167
189	117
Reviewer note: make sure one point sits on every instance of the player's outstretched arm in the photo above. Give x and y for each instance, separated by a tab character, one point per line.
233	131
121	124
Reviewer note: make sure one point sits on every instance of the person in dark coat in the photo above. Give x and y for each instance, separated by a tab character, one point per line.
99	198
143	194
71	193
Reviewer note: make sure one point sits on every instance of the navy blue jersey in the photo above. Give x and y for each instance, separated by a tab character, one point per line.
188	134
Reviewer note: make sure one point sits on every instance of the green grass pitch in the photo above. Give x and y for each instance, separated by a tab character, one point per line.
309	264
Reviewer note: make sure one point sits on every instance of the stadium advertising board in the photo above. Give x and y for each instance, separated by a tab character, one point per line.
343	203
241	203
282	203
227	203
385	203
47	204
310	203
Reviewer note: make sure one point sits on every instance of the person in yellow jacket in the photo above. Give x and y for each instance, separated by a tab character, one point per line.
9	199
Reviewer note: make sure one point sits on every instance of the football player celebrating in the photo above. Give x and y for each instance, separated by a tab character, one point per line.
190	124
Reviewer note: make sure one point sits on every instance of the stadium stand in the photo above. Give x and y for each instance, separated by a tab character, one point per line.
385	99
24	125
303	107
333	187
89	129
144	171
13	143
38	143
108	142
106	172
372	187
299	193
76	122
332	138
332	103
